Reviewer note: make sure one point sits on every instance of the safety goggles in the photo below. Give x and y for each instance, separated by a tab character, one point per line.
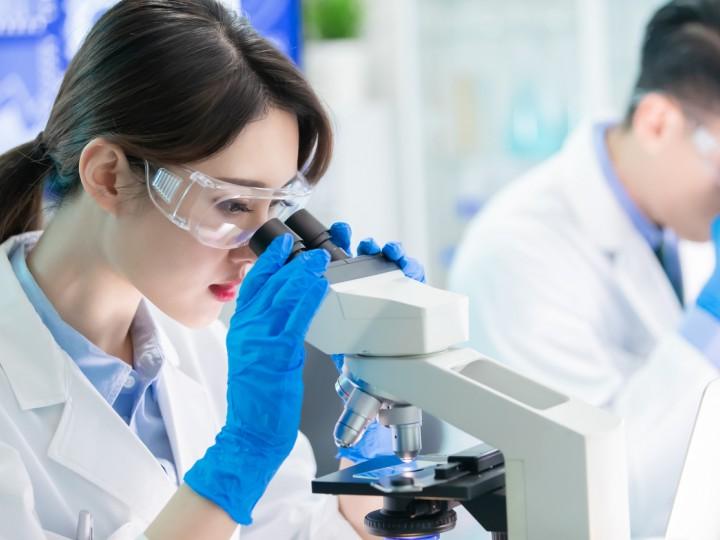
706	144
707	147
217	213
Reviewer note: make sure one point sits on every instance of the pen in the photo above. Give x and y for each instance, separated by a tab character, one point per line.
84	526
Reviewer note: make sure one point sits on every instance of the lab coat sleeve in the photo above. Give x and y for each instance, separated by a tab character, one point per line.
536	315
290	510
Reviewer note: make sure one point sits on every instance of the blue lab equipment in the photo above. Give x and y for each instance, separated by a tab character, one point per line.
709	297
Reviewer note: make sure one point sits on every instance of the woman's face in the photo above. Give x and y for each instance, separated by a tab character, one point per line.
184	278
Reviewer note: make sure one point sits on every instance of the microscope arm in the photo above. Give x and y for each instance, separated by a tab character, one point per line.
564	460
565	473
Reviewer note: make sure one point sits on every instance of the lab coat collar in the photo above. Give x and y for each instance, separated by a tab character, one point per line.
91	439
607	225
44	380
602	217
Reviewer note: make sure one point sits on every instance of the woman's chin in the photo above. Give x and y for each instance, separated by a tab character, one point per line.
198	318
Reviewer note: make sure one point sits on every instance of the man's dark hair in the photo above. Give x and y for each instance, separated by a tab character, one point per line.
681	54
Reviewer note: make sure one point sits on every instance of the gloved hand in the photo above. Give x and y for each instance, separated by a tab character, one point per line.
394	252
709	297
377	439
340	234
265	345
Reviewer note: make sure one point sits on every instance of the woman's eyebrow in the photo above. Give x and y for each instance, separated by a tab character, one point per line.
243	182
250	183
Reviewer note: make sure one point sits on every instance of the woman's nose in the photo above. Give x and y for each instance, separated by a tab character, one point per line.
262	214
242	254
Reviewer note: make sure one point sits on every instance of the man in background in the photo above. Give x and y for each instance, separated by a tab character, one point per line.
573	271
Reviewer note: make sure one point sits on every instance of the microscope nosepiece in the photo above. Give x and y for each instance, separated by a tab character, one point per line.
344	387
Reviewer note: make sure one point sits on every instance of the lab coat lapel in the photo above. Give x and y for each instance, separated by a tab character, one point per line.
90	438
94	442
636	270
646	287
186	410
33	363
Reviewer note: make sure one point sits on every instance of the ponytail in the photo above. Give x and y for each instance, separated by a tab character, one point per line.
169	82
22	171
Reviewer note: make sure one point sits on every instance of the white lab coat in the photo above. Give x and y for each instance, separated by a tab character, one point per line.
64	449
563	288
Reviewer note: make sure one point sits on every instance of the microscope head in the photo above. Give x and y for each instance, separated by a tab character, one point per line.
372	310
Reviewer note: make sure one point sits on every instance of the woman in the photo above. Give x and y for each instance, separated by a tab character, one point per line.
176	133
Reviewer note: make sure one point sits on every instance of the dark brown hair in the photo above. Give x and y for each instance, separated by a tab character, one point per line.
170	81
681	55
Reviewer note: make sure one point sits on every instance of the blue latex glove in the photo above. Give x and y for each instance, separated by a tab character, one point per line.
377	439
709	297
340	234
394	252
265	345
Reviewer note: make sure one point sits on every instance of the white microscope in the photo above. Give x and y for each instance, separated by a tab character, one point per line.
553	467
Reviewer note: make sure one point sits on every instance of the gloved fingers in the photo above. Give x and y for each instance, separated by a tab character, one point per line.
272	259
295	286
411	268
377	440
338	360
340	234
414	270
300	318
308	265
395	252
368	246
715	230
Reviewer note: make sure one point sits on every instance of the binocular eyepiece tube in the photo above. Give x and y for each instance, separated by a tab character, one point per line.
308	232
361	407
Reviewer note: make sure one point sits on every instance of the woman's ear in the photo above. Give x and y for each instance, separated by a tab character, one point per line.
104	169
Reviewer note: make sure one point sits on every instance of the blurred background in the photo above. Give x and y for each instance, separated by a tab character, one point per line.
436	104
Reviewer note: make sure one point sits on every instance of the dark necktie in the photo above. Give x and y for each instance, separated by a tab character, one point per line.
667	254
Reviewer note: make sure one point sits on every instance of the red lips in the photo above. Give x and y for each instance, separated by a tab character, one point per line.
225	292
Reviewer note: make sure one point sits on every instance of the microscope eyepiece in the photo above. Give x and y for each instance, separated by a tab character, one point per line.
307	231
271	230
314	234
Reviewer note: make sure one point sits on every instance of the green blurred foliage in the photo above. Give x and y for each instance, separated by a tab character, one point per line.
332	19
